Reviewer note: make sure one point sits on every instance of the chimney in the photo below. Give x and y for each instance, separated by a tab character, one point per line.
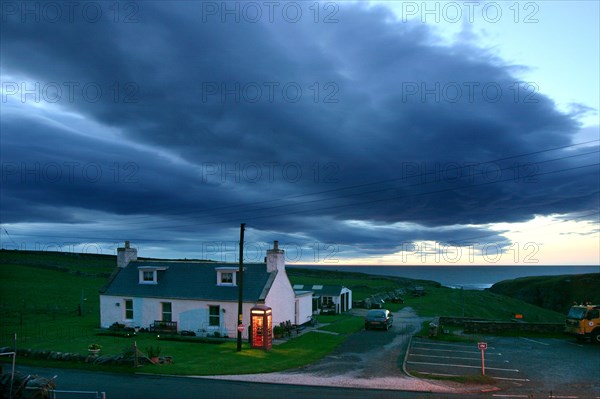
126	255
275	258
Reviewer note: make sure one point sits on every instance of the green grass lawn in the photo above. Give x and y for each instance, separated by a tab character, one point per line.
195	358
444	301
207	359
341	324
40	296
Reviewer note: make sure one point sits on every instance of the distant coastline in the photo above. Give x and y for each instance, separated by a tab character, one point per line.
467	277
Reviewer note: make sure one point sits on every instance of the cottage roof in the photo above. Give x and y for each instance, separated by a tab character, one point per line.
322	290
189	280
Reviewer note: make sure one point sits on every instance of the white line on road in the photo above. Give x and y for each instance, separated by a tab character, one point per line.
496	378
512	379
462	365
457	358
533	340
457	346
451	350
445	375
581	346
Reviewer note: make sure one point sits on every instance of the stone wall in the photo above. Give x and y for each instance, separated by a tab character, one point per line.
491	327
481	326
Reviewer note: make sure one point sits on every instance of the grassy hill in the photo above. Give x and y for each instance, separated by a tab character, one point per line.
439	301
552	292
362	285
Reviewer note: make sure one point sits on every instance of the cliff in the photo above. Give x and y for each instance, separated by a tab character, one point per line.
552	292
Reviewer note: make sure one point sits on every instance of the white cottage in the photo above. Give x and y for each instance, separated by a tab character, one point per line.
328	298
198	296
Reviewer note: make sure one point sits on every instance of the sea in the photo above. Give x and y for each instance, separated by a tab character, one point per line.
466	277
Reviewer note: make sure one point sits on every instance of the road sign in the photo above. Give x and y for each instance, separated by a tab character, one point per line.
241	327
482	346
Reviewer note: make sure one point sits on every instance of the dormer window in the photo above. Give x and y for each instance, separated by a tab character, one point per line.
149	274
227	276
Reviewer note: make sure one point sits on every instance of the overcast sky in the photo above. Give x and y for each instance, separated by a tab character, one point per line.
354	133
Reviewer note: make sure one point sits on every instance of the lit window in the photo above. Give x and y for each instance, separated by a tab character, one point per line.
128	309
214	316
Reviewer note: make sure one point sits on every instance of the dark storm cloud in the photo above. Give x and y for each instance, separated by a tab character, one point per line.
381	102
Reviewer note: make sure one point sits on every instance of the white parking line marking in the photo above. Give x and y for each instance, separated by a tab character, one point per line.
444	375
450	350
581	346
457	346
453	357
533	340
462	365
512	379
496	378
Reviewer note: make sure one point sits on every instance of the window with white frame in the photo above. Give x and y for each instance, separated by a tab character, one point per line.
226	277
128	309
214	315
148	276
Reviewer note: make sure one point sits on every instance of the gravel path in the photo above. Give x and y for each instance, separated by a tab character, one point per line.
367	359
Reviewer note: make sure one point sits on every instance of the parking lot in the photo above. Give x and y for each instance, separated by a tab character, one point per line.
520	366
459	359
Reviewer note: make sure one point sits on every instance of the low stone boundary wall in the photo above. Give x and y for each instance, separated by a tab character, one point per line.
491	327
121	359
476	326
457	321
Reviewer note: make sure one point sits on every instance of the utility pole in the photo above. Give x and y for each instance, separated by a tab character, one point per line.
240	281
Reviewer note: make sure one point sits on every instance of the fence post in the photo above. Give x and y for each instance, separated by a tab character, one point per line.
12	374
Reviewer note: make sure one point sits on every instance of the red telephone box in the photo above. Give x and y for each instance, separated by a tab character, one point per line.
261	328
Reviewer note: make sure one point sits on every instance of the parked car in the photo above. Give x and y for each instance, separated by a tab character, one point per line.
379	318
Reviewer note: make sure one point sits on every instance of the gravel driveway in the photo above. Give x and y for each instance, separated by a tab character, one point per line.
367	359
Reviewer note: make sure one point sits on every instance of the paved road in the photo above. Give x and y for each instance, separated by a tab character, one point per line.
119	386
522	366
371	353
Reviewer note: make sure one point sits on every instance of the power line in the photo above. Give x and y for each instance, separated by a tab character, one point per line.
186	214
337	206
320	200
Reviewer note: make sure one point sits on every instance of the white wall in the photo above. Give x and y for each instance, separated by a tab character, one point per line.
189	314
349	292
303	308
282	299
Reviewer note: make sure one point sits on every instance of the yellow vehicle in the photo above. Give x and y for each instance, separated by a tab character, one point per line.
583	322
